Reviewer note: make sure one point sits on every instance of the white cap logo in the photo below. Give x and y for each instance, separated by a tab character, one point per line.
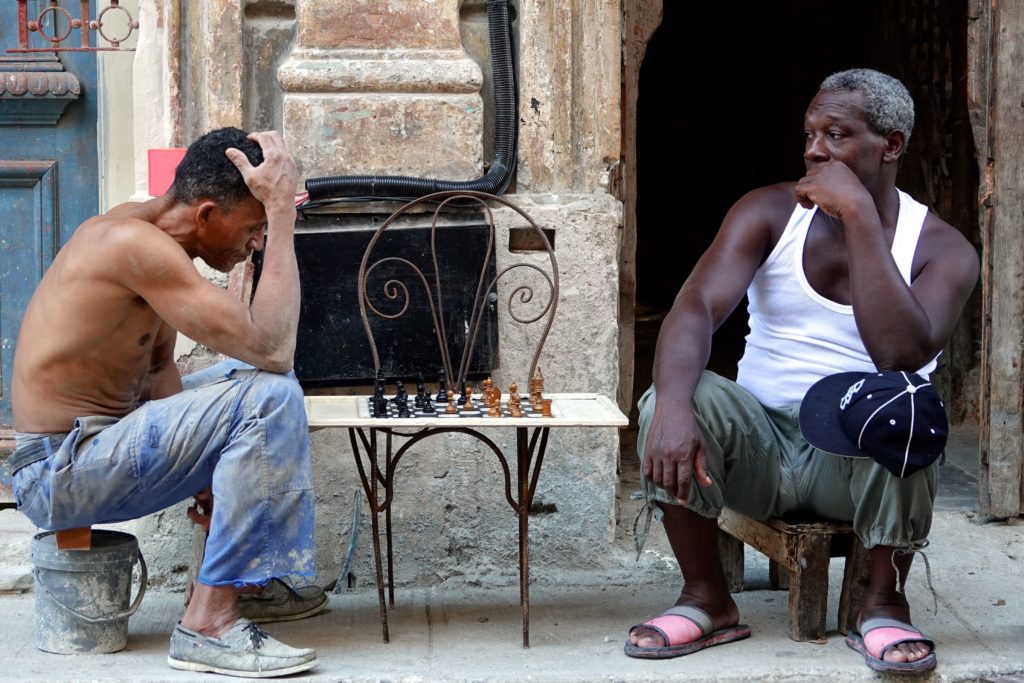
845	401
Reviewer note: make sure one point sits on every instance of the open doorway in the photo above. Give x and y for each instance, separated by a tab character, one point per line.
722	92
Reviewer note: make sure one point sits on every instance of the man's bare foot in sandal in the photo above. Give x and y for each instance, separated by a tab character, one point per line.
705	614
687	627
885	636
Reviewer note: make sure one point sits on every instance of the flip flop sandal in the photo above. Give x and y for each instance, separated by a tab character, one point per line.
880	635
673	629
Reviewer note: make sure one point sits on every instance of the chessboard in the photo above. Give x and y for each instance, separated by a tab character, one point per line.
479	410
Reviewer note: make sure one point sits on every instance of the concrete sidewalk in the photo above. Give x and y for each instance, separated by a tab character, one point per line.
460	632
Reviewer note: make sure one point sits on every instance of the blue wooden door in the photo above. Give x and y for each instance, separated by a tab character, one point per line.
48	165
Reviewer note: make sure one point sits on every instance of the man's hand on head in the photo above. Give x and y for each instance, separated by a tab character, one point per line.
273	182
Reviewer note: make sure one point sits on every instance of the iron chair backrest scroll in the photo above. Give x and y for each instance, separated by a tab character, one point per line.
398	291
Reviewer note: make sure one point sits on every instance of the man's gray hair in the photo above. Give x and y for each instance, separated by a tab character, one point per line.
887	104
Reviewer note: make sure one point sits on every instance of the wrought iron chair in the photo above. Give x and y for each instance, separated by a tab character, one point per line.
384	297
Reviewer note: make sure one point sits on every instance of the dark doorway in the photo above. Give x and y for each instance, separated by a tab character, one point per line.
722	93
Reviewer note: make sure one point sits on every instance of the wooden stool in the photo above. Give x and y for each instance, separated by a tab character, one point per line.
798	554
79	538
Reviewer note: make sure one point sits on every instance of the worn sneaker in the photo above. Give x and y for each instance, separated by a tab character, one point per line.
281	602
244	650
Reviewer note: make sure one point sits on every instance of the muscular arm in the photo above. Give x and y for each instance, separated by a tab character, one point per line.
711	292
262	333
903	327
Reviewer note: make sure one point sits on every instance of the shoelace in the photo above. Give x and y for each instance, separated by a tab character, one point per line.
256	635
916	547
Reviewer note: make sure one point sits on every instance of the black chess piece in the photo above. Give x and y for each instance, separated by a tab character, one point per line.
380	404
462	393
421	393
428	406
403	408
401	398
442	389
378	385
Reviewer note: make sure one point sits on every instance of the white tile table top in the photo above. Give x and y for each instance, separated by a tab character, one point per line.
568	410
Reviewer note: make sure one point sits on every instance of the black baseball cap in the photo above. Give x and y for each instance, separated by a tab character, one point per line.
896	418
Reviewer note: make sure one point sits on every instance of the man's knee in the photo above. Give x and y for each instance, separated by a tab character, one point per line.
280	388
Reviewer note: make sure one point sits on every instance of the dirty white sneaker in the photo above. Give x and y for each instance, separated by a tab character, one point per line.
243	650
280	602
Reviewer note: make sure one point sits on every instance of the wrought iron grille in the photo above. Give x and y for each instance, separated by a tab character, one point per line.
56	24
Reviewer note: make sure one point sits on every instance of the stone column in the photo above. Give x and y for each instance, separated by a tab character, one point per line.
382	87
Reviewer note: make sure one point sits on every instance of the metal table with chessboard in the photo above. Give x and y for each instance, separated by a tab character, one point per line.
383	427
583	410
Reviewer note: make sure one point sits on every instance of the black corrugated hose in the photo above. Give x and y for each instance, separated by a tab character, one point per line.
323	190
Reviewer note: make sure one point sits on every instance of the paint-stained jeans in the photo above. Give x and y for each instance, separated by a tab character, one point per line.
239	429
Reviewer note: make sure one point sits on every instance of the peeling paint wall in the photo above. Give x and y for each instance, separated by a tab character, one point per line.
404	87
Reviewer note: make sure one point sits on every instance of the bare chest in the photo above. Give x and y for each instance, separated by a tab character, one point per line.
826	259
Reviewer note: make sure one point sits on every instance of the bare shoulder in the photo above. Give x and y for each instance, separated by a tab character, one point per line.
944	247
772	202
128	244
759	217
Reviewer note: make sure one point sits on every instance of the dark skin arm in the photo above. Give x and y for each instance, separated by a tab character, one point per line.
674	453
903	327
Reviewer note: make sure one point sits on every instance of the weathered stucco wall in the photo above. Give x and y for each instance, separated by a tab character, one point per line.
403	87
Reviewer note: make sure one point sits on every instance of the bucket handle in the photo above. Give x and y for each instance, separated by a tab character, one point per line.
143	579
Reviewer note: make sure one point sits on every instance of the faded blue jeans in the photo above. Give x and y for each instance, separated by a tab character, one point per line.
234	427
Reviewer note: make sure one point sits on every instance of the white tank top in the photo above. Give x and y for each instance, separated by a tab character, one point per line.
797	336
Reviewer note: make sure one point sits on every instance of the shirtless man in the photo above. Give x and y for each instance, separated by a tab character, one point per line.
830	292
107	431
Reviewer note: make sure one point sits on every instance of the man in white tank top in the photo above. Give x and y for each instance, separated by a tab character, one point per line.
844	273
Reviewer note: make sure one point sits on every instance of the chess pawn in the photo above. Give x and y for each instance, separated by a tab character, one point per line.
421	392
513	395
468	405
515	406
495	410
450	409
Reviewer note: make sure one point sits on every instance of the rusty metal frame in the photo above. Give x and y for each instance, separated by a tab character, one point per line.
531	443
83	24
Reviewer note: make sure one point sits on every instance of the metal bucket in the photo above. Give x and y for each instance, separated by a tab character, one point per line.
82	595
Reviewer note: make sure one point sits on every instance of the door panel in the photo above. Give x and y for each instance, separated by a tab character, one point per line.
48	166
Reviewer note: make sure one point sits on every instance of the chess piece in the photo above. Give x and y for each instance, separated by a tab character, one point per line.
485	392
462	393
536	389
401	398
378	384
442	387
515	408
513	395
428	406
495	410
545	407
450	409
421	392
468	403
